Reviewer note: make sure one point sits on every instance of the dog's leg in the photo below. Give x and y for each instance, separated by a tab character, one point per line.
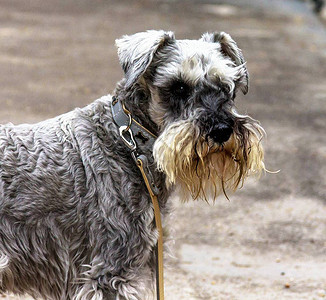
89	291
125	290
113	276
136	285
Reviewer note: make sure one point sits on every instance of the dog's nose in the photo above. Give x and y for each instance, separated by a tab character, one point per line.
221	133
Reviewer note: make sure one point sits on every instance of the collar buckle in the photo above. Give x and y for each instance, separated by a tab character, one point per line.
130	142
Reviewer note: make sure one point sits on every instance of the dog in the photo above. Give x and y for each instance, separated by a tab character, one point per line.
76	218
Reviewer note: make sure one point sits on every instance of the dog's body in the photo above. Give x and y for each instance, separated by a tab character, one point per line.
76	219
64	211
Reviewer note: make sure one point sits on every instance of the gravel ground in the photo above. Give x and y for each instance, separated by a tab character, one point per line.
269	240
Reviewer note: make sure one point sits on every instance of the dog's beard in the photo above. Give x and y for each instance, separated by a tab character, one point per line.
204	169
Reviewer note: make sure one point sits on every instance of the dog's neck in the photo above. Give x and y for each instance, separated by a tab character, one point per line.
136	101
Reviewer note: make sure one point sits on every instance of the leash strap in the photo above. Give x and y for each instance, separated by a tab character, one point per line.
159	246
127	127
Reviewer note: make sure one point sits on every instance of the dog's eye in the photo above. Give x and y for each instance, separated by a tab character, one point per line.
180	89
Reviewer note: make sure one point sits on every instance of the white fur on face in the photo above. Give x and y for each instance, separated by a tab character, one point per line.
194	61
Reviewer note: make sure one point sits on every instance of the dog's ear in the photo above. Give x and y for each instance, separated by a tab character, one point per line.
230	49
136	52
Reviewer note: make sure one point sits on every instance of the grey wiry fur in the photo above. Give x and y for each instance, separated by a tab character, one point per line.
76	220
67	227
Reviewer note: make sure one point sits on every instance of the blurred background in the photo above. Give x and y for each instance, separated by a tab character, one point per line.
269	240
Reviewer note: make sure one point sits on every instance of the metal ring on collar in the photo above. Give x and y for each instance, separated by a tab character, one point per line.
130	143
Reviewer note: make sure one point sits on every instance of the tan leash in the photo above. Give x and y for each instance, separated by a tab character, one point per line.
127	127
159	246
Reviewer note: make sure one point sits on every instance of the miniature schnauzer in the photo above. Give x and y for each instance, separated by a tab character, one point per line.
76	219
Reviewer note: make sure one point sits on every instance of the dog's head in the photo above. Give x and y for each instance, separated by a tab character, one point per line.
203	143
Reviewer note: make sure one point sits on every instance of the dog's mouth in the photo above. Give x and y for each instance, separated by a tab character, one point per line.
204	167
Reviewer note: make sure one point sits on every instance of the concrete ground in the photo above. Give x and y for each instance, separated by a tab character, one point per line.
269	241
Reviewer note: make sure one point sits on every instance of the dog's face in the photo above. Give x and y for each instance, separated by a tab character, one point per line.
204	144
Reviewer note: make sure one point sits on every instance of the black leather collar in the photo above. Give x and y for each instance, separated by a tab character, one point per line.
134	137
123	119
